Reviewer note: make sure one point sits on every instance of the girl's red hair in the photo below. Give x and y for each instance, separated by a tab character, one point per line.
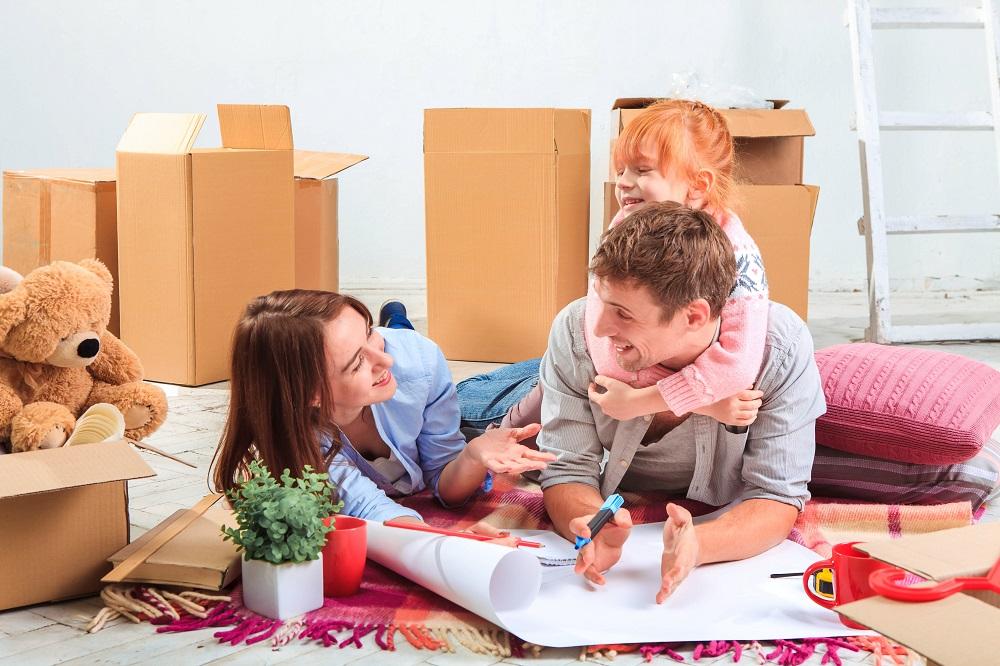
688	136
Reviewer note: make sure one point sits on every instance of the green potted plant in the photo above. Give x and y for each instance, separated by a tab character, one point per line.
282	533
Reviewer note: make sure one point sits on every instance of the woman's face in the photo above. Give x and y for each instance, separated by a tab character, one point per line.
358	369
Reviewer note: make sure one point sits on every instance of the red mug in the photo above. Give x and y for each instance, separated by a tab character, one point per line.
344	556
851	569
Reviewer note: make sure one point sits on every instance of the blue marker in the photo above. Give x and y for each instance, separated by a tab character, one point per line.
604	514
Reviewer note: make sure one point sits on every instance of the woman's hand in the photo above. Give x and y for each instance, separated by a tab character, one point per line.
498	451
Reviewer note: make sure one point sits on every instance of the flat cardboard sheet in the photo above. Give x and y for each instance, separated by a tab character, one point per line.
554	607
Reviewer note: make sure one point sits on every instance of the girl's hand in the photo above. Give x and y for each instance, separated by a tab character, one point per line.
622	402
498	450
736	410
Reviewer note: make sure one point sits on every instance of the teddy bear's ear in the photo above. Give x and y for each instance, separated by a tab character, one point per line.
9	278
13	309
98	269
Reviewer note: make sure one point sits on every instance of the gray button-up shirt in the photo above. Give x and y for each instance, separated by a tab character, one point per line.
772	460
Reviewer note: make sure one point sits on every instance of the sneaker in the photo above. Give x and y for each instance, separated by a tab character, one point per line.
391	309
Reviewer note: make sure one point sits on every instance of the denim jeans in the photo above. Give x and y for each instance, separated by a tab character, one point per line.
486	398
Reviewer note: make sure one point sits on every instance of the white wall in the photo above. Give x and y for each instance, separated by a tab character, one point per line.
358	74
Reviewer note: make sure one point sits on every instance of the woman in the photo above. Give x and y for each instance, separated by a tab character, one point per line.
314	383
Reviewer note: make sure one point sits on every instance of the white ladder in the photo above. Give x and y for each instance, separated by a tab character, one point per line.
875	225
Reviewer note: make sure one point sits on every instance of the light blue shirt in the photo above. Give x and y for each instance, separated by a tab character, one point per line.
420	423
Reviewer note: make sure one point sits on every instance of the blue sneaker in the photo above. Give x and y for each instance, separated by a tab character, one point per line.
392	314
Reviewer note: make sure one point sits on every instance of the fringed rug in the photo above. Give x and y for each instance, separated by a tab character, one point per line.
389	608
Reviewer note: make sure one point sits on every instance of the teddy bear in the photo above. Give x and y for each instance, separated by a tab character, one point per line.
57	357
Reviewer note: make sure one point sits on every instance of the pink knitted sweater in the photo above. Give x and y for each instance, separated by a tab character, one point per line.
731	364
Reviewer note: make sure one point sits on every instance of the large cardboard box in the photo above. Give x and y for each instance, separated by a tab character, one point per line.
195	557
961	629
507	213
203	231
776	208
61	214
63	512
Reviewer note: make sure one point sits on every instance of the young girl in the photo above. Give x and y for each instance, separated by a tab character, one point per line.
313	383
677	150
681	150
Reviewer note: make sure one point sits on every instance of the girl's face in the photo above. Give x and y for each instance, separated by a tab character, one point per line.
357	367
642	182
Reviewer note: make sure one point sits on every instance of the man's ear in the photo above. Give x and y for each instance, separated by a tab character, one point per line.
699	313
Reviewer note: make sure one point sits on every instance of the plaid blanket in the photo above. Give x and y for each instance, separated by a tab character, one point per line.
389	606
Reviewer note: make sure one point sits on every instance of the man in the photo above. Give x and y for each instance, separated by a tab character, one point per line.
662	277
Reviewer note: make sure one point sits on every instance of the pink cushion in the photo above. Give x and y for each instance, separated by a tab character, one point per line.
906	404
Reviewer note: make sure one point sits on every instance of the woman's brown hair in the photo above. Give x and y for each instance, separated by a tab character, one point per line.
280	399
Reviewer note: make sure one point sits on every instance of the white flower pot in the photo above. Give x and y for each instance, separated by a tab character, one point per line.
281	591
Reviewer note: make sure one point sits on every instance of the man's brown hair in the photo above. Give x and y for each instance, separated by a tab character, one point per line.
678	253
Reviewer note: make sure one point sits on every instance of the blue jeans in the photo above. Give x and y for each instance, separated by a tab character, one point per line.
486	398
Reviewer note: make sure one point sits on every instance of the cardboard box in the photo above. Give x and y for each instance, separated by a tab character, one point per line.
63	512
780	219
61	214
507	195
961	629
769	143
197	557
203	231
317	251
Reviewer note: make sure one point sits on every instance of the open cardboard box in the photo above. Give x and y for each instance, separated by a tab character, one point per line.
61	214
775	207
203	231
63	512
959	630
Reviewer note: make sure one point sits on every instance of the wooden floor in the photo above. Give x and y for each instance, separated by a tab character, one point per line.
52	633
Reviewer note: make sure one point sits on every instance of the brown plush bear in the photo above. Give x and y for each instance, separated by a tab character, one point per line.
57	357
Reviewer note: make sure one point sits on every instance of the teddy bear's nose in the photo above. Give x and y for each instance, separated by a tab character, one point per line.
89	348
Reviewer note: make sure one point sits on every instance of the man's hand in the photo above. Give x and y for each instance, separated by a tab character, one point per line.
739	409
498	450
680	550
622	402
606	549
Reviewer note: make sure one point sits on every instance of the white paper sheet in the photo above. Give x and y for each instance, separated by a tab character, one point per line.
557	608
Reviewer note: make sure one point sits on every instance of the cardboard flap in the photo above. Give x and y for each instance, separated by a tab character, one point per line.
256	126
953	631
314	165
752	123
46	470
199	545
163	133
75	175
962	551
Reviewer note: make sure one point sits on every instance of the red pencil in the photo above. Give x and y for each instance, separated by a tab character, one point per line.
421	527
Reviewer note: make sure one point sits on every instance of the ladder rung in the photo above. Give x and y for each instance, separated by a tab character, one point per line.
942	332
923	224
909	120
944	224
887	18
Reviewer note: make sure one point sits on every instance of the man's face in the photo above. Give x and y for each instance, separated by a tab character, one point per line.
634	322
